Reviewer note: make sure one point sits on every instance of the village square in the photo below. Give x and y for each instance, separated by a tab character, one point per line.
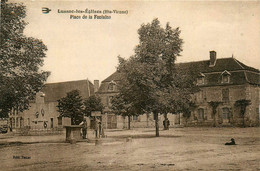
151	112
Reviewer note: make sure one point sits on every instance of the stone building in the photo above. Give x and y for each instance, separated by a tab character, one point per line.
42	113
107	90
223	80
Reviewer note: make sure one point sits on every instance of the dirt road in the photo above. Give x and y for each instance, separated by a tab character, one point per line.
175	149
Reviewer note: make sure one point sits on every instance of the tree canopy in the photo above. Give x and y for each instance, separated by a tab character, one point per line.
20	60
242	104
214	105
121	106
72	106
93	103
151	82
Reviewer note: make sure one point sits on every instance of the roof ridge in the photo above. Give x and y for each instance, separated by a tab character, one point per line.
68	82
204	60
246	77
246	67
238	62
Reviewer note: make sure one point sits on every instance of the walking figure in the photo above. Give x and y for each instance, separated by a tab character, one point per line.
84	128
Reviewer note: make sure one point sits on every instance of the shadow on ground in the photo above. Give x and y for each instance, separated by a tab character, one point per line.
143	136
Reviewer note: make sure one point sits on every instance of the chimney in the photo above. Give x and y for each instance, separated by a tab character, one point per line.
213	58
96	85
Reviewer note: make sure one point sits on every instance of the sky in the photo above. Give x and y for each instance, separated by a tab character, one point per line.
88	48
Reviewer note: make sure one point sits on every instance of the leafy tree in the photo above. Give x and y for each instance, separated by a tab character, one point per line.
150	80
93	103
214	105
121	107
20	60
242	104
72	106
187	108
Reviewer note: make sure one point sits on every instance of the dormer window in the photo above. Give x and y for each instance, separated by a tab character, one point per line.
225	77
201	79
112	86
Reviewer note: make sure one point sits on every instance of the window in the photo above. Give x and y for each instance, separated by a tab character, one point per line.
59	120
225	77
112	86
28	121
201	113
204	95
109	100
135	118
226	113
16	123
225	95
201	79
51	122
21	122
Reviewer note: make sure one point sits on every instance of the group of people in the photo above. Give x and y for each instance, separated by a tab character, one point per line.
97	128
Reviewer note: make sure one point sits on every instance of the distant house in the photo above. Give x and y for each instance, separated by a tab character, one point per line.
107	90
42	113
224	80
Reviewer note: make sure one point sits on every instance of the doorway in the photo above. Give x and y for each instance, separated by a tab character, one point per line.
51	122
111	121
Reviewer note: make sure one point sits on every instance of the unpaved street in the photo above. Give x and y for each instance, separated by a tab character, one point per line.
138	149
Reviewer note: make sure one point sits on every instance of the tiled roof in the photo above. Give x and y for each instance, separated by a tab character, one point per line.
229	64
114	77
253	78
240	73
55	91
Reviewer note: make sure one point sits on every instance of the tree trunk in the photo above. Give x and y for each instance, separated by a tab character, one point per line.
165	116
243	115
129	122
147	120
242	111
164	122
214	120
71	121
156	125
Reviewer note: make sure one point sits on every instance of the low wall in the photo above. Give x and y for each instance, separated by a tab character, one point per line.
27	131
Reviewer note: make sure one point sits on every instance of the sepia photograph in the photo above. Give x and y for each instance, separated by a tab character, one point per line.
129	85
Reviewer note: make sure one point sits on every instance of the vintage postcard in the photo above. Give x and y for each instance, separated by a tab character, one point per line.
129	85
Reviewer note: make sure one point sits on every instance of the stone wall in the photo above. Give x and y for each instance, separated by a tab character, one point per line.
236	92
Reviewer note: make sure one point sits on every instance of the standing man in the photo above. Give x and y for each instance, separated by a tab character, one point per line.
84	128
99	129
167	122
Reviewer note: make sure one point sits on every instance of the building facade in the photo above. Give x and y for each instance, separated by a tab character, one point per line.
42	113
107	90
226	81
223	80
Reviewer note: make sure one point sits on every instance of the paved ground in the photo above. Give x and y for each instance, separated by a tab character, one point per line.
138	149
